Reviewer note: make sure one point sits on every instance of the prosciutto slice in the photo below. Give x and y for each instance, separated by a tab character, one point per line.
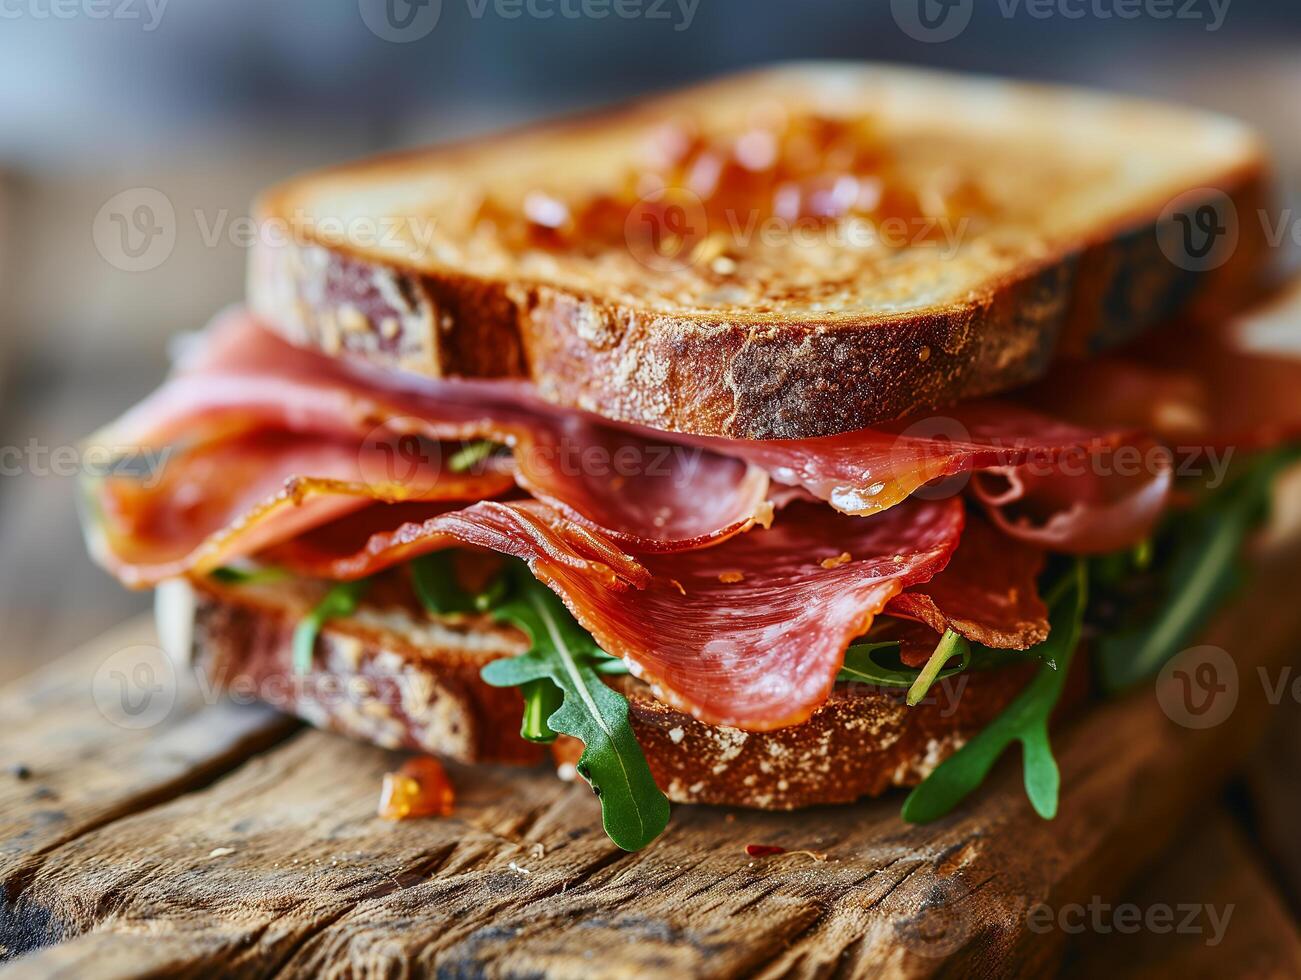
636	486
748	633
648	491
988	593
246	494
1195	385
870	470
1092	506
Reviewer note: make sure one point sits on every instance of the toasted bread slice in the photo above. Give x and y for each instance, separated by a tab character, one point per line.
393	676
789	253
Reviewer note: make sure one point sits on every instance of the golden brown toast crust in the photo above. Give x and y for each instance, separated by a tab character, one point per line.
654	351
385	682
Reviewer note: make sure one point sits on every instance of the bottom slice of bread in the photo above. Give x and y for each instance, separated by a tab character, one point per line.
395	676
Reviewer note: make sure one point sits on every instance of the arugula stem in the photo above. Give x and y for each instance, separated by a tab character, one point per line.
1024	720
951	645
542	699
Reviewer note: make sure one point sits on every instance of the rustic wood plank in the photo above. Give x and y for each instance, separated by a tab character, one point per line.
1211	866
1273	785
281	867
69	768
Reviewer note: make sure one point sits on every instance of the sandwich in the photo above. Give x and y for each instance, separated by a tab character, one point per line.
782	441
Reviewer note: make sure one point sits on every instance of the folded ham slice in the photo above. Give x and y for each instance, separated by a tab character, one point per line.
749	633
340	472
636	486
647	491
988	593
242	495
1192	385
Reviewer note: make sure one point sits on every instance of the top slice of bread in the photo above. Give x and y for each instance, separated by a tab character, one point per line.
1027	227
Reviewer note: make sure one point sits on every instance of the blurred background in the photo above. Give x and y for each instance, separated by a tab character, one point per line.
207	101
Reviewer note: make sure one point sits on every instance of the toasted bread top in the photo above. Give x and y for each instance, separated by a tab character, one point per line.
881	207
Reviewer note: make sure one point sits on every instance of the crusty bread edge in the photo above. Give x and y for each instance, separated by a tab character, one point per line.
754	376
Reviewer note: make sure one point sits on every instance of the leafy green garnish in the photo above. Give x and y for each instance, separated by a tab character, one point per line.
878	664
864	663
633	810
1025	720
471	454
433	577
238	575
341	600
1204	566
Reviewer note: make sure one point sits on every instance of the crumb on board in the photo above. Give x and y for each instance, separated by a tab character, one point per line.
419	789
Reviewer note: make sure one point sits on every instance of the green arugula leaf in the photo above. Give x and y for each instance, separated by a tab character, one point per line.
1025	720
471	454
1205	565
633	810
341	600
864	663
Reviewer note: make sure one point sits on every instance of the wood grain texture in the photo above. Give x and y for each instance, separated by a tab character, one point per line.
1272	782
69	768
280	868
1210	866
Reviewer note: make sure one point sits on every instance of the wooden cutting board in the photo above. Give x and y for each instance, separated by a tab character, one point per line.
225	837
